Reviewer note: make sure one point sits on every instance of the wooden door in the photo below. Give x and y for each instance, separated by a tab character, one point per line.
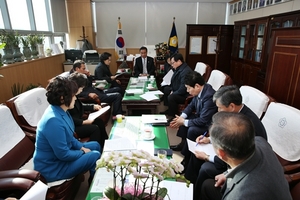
283	70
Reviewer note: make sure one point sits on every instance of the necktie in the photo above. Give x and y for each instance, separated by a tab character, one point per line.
144	66
198	106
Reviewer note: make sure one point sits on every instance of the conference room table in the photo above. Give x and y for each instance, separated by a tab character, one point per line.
136	87
128	128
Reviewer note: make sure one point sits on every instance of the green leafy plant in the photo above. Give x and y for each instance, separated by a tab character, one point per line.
40	39
17	89
31	40
24	41
31	86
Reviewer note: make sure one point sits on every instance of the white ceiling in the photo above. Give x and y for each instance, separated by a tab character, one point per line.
201	1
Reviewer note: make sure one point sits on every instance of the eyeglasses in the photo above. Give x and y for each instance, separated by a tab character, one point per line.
173	62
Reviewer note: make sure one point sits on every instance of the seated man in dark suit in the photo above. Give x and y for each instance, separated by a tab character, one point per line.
102	72
190	124
254	170
89	91
144	65
203	166
176	93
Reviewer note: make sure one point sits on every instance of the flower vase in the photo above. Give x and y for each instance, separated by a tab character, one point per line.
17	55
27	53
41	50
8	57
34	52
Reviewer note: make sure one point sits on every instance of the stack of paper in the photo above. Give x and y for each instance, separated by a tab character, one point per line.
152	119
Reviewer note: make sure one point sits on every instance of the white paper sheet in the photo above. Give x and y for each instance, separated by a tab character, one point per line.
102	179
207	148
135	91
148	97
155	92
167	77
178	190
36	192
150	119
119	144
96	114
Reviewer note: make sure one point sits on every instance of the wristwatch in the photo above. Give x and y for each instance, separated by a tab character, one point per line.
206	158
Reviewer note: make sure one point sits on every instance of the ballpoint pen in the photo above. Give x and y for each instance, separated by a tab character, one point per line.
202	137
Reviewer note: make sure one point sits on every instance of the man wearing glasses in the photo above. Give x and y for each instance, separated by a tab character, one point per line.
176	93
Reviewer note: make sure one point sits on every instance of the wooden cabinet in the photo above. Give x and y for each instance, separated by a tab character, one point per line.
248	48
283	71
213	44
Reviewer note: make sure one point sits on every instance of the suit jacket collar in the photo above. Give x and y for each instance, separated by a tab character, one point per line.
65	116
238	173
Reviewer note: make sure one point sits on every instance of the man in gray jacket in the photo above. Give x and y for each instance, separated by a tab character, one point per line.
255	172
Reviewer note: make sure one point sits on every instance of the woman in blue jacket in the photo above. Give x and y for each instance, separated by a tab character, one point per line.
58	155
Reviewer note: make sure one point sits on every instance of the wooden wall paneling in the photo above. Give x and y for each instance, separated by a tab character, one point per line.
225	42
34	72
80	14
283	70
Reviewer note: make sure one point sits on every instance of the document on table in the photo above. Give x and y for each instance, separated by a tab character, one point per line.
135	91
207	148
177	190
149	97
96	114
119	144
152	119
167	78
102	180
36	192
155	92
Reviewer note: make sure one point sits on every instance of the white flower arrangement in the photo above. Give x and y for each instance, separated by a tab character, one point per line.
145	168
48	51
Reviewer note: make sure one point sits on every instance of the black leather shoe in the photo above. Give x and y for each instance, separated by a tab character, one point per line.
177	147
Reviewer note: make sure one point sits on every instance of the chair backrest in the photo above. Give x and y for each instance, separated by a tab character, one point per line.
218	79
282	125
256	100
16	148
28	107
203	69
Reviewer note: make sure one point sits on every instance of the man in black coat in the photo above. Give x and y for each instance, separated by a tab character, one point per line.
176	93
144	65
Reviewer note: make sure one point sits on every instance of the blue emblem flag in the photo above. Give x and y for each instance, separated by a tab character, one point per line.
120	49
173	39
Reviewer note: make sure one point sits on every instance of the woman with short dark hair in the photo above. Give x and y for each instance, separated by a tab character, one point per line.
58	155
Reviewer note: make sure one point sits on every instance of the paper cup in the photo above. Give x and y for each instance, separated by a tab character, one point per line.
149	85
152	76
119	118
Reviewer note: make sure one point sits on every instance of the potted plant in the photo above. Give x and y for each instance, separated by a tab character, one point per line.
15	40
32	39
26	50
7	38
40	44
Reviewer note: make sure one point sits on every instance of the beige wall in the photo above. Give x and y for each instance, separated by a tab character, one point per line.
34	72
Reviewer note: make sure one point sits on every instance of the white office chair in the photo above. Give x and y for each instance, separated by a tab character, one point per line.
256	100
218	79
282	125
203	69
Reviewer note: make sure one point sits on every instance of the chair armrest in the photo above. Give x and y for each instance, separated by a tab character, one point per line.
89	100
292	178
290	168
22	184
22	173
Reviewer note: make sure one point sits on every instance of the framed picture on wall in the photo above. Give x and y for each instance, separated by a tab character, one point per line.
244	4
249	7
255	4
235	8
269	2
239	6
195	45
261	3
211	44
